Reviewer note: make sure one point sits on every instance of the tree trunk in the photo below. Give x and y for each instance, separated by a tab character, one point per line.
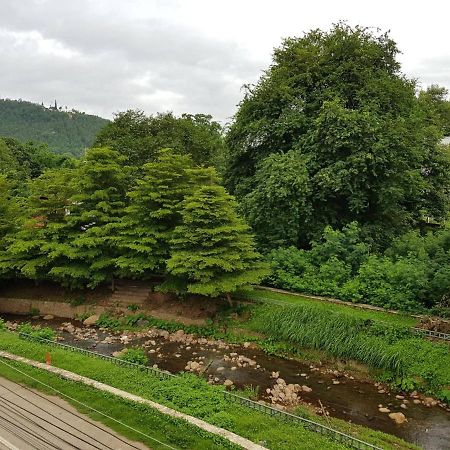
113	286
230	302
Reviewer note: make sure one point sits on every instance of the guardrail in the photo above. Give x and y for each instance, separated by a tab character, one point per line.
311	425
120	362
342	438
431	333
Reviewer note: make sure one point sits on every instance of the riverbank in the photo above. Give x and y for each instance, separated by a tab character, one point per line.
189	394
247	367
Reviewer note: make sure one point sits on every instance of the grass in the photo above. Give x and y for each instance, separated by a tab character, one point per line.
194	396
409	361
266	296
175	432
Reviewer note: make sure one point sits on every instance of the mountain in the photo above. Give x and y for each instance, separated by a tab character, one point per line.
64	131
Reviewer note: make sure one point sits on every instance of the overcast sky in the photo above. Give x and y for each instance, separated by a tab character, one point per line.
104	56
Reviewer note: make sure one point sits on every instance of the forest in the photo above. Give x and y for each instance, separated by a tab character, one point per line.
331	179
64	131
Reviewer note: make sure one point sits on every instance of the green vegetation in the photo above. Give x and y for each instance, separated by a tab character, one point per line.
212	249
143	418
86	225
63	131
194	396
37	331
411	275
408	362
135	355
140	138
335	105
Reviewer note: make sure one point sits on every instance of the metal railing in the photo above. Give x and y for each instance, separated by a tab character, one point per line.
120	362
431	333
335	435
342	438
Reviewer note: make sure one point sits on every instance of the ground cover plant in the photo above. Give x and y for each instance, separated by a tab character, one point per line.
194	396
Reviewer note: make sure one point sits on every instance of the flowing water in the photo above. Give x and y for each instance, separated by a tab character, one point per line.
340	395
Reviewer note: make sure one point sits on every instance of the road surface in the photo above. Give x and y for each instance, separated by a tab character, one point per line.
30	420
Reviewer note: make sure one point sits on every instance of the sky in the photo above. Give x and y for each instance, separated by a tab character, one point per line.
193	56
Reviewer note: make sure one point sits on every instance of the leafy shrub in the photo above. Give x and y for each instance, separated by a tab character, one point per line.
413	275
135	355
105	321
2	324
37	331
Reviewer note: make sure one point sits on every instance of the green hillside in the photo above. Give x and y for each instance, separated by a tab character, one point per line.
64	131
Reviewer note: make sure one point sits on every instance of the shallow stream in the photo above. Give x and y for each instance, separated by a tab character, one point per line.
341	395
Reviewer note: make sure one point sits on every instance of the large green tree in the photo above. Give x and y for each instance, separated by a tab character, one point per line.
212	249
140	137
83	250
278	208
153	213
40	224
339	100
9	209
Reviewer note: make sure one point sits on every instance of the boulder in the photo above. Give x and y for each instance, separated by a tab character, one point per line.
429	401
384	410
48	317
398	417
91	320
228	383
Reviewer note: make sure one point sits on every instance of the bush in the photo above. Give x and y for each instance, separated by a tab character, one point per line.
37	331
135	355
413	275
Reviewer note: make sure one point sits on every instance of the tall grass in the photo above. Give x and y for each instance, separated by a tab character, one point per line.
339	334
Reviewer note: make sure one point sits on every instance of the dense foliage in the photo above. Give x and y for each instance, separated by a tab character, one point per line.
212	249
336	105
64	131
88	224
140	137
412	274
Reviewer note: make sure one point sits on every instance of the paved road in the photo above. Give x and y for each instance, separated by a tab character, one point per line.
30	420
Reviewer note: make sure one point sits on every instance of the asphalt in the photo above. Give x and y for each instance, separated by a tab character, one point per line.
30	420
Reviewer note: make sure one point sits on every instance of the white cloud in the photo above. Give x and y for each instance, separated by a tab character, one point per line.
104	56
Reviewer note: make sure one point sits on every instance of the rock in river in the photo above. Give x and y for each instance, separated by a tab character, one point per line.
91	320
398	417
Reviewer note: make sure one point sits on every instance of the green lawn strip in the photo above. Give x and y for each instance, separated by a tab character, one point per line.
409	362
291	299
192	395
174	432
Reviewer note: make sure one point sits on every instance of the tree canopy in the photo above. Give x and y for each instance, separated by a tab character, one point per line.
64	131
140	137
339	101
